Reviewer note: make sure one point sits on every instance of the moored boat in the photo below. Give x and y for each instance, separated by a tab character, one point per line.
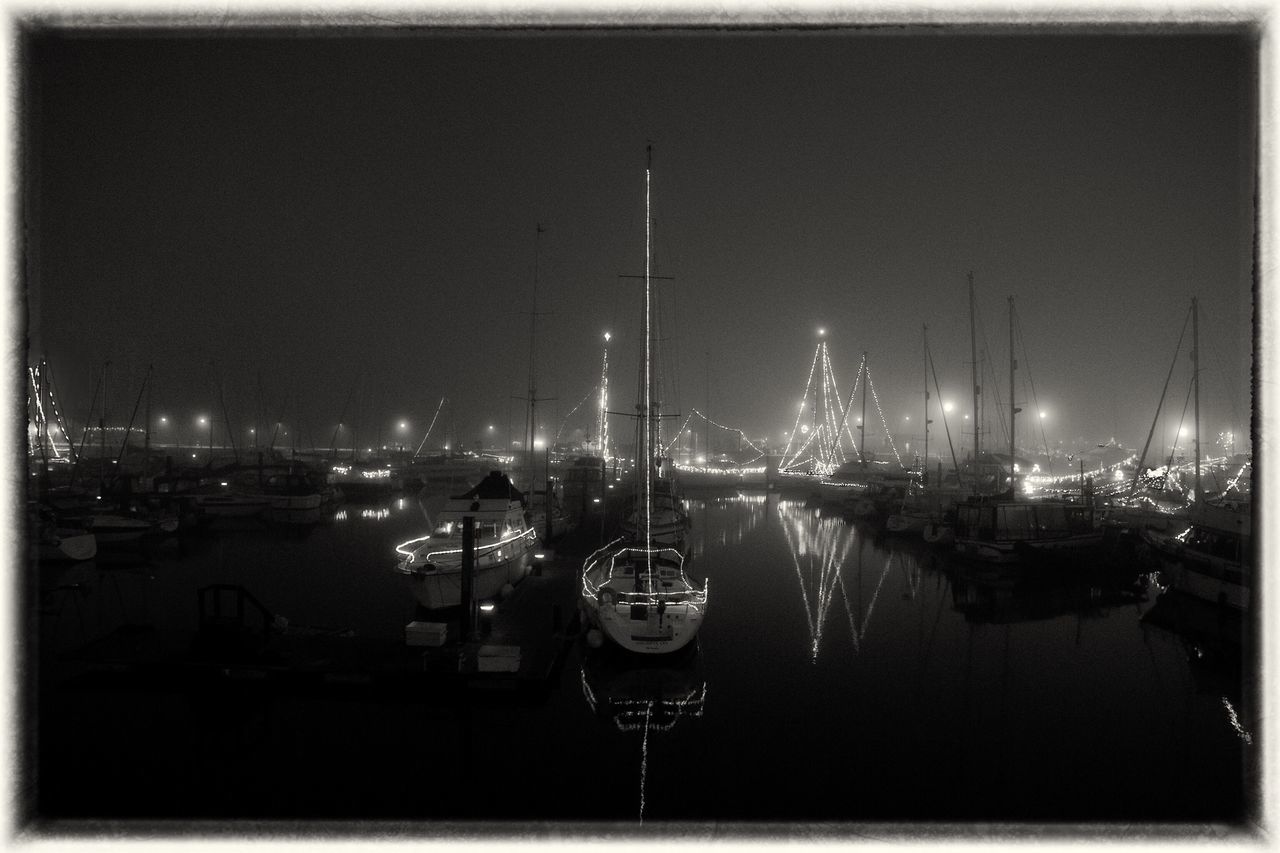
503	545
636	591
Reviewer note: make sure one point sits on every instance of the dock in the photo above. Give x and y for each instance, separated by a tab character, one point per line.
520	645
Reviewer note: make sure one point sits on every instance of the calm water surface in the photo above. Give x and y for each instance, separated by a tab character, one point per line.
837	678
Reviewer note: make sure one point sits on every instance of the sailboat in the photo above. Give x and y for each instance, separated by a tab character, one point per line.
1211	556
636	590
1006	529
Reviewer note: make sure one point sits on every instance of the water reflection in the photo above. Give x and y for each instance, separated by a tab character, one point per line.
724	520
644	696
374	513
820	548
1012	594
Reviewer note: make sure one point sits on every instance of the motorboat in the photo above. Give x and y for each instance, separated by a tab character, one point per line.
503	545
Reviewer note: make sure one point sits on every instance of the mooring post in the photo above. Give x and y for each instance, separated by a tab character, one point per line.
468	620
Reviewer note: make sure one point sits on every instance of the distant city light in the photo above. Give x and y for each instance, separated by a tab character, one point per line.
607	336
948	406
822	332
1044	415
404	425
163	419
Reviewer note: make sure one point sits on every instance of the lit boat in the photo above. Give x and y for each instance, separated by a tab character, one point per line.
504	545
865	490
641	598
363	480
1210	558
635	590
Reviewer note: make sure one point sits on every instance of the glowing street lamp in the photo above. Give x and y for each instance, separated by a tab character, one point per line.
948	406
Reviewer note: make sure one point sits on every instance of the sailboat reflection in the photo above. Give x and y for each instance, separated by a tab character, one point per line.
644	695
820	547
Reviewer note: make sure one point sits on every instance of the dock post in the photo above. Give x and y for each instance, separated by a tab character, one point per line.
468	619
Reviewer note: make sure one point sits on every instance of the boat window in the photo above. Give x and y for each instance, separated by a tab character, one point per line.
1015	522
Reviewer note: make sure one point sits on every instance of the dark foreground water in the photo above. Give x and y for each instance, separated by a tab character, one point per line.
837	679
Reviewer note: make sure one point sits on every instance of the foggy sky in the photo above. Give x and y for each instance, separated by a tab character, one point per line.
342	228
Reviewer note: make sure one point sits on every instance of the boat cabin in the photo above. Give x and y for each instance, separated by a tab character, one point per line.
1017	521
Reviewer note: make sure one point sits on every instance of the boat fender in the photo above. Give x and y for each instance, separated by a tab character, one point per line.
607	596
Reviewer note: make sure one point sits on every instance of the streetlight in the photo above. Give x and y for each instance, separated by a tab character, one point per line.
948	406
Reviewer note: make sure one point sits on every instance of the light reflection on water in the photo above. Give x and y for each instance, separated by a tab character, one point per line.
852	678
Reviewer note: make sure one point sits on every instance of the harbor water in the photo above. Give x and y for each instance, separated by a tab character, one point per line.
840	677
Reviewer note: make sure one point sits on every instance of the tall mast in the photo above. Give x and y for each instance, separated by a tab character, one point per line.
924	466
603	432
533	394
862	437
977	389
1013	410
706	417
1195	380
647	414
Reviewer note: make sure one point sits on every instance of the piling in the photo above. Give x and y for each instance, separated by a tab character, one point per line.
467	623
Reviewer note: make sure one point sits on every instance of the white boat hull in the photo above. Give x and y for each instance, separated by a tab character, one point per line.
65	546
646	630
442	587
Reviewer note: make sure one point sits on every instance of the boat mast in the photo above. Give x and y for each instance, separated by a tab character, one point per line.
146	437
977	389
647	414
862	436
533	394
1013	410
1195	381
603	432
924	465
707	418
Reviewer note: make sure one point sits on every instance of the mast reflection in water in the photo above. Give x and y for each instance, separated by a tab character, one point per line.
644	696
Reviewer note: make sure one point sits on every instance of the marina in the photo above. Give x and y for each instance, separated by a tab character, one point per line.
907	665
544	434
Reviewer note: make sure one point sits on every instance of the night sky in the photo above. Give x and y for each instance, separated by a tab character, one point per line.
343	227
